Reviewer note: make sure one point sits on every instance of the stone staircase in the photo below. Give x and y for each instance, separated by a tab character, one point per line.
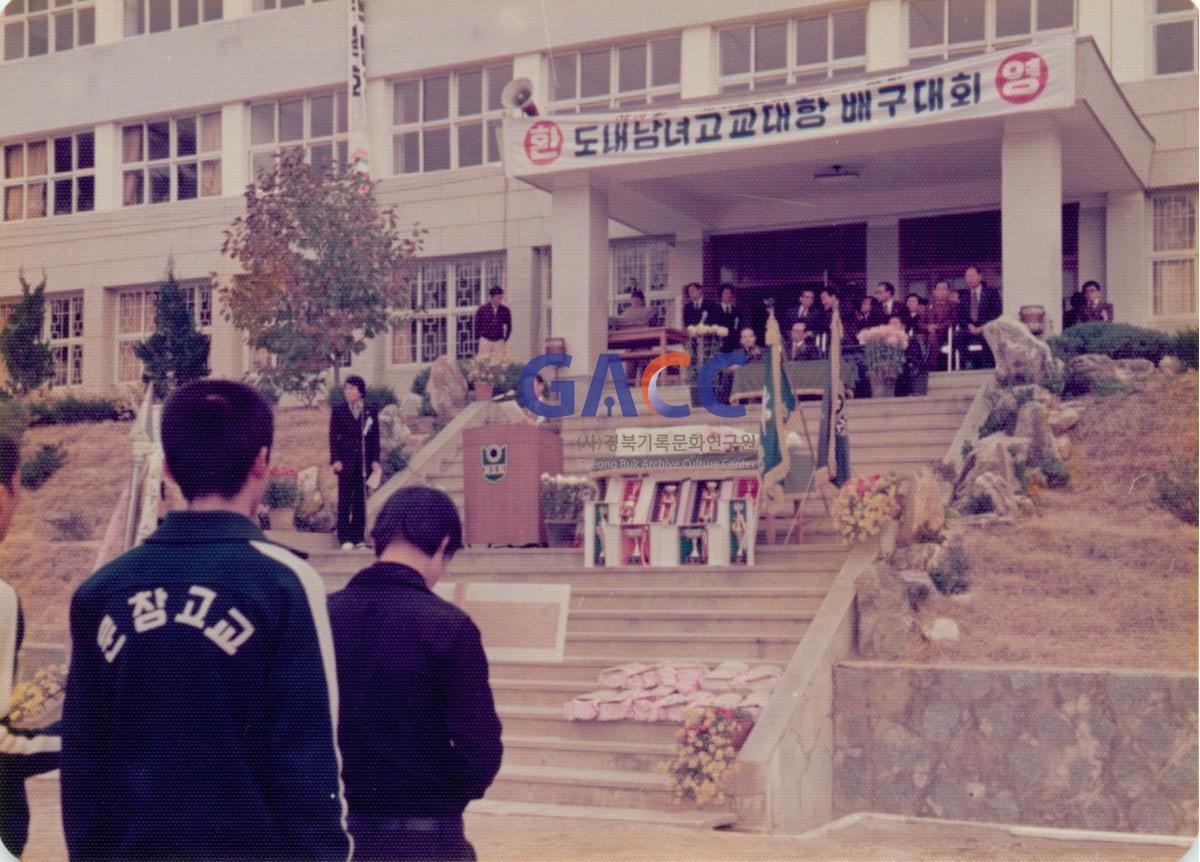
618	615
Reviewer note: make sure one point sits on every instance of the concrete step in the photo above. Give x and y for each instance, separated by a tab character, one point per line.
733	599
639	757
538	692
549	721
565	785
657	644
586	669
705	819
638	623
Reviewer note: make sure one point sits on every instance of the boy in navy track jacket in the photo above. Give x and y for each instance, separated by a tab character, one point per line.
201	708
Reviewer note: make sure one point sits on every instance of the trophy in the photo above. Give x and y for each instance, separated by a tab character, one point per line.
666	504
601	518
636	554
696	536
707	512
739	530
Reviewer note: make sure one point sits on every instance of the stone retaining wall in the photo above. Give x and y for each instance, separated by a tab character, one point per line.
1086	749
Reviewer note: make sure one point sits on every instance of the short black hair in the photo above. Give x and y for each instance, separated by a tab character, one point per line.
1090	283
212	430
10	457
637	294
421	516
805	290
358	383
889	287
730	288
496	290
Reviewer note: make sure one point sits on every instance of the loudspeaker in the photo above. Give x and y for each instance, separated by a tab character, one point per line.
518	94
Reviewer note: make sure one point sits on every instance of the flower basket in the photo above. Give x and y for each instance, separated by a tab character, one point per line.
883	354
488	368
705	752
863	506
563	497
561	534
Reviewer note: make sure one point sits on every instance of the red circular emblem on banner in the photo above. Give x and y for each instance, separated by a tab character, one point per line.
543	142
1022	77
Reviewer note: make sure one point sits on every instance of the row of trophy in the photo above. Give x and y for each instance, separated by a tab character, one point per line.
642	521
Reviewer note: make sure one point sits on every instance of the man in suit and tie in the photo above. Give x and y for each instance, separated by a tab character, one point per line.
728	314
697	309
979	304
1093	310
888	306
807	312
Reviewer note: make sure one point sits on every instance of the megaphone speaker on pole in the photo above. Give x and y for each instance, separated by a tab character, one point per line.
518	95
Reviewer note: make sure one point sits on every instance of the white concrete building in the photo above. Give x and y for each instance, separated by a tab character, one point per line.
130	130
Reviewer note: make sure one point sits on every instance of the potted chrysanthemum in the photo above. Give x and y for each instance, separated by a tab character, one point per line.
884	352
563	497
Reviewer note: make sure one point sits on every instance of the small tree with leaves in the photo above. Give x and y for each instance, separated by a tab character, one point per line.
320	265
26	356
176	353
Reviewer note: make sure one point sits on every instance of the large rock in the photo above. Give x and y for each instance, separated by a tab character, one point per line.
941	629
1134	369
410	406
391	427
1063	419
306	481
1021	357
885	617
447	387
314	515
1033	423
922	512
1088	369
1000	491
1170	365
989	455
914	556
1062	445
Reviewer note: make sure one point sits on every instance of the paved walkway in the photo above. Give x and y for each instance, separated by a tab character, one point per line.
871	838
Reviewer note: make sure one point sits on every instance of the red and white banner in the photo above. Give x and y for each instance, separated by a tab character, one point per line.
1034	77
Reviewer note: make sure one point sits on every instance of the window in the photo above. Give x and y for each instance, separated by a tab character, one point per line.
49	177
618	76
940	29
1174	253
1174	24
66	340
641	263
316	123
443	297
135	322
449	120
156	16
171	160
32	28
266	5
798	51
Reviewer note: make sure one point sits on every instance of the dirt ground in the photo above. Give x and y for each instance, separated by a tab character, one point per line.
1100	576
44	568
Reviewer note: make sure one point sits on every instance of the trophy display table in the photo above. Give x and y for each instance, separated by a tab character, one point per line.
502	482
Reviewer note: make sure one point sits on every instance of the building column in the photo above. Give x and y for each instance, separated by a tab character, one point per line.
533	67
698	62
685	264
99	338
886	36
1127	254
1031	218
110	22
379	128
235	148
1091	248
521	297
237	9
107	154
579	272
883	254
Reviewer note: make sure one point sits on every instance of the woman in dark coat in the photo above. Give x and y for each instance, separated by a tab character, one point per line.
354	453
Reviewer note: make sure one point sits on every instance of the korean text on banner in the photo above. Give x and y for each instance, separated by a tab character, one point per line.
356	102
1033	77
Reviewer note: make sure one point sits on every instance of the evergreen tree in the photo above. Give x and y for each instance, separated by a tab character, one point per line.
176	353
26	356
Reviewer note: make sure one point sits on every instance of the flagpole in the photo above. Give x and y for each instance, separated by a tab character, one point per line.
835	385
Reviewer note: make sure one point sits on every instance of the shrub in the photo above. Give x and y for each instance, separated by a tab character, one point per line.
377	397
283	492
1021	474
14	417
950	574
44	464
268	392
1118	340
1056	473
1002	418
72	527
1184	347
394	461
419	386
1177	490
71	409
980	504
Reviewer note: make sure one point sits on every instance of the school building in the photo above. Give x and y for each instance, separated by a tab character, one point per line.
131	127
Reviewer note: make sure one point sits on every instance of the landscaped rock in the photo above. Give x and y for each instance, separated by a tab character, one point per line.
1032	423
1025	505
941	629
918	585
922	513
447	387
885	617
1063	419
390	426
914	556
1033	392
1062	445
410	406
1021	357
1134	369
989	455
314	515
306	482
1090	368
999	490
1170	365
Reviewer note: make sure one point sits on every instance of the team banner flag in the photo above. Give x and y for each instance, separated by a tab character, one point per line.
356	101
779	403
833	440
1033	77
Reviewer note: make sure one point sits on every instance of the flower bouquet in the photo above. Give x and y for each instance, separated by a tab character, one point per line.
704	753
485	371
863	506
883	351
38	702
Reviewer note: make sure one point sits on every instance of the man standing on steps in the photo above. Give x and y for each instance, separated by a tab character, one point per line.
353	445
419	731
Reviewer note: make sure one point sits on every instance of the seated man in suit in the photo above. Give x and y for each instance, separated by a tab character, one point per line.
804	346
979	304
638	314
728	314
696	309
748	342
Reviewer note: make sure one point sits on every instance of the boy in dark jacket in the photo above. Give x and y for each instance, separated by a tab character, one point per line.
419	730
353	447
201	710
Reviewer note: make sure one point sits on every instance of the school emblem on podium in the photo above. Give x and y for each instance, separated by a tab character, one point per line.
495	462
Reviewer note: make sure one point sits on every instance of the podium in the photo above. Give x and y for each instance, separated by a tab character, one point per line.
502	482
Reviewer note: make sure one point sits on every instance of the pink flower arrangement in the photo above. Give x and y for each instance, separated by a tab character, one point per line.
889	335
